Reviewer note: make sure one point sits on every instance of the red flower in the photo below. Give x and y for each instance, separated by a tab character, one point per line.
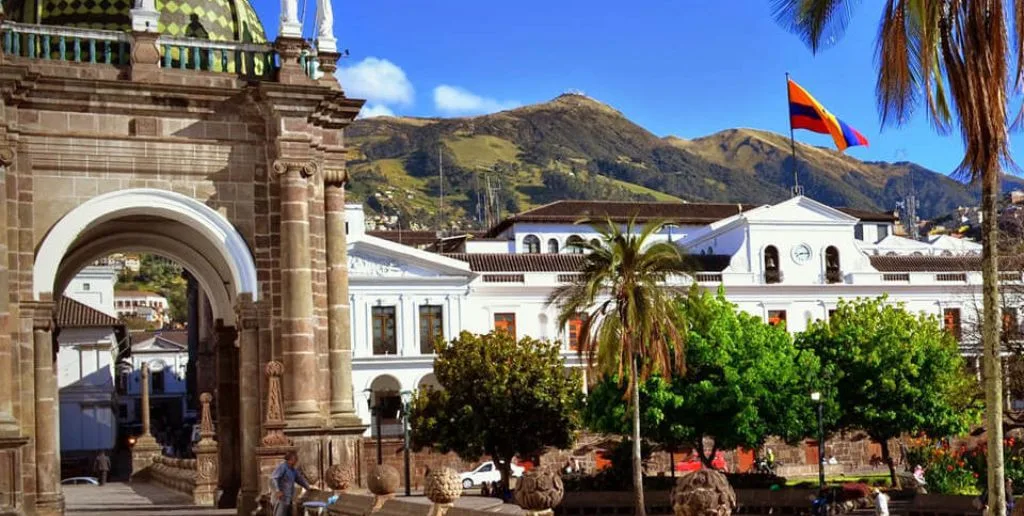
975	475
949	468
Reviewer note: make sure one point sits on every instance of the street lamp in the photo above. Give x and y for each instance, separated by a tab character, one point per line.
406	402
816	397
375	412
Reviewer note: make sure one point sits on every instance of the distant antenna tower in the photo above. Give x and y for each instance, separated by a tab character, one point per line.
909	205
440	185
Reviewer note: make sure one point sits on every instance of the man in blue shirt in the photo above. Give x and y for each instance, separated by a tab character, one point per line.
282	482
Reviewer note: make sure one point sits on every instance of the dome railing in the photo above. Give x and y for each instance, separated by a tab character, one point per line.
252	60
68	44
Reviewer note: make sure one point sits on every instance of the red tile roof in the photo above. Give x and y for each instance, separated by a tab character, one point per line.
503	262
568	212
72	314
940	263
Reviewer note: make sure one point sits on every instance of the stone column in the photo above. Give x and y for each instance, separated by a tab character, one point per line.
146	447
49	499
227	414
299	349
206	456
8	424
339	312
248	386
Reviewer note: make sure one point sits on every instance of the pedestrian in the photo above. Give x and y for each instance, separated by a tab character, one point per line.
981	503
102	466
881	503
282	484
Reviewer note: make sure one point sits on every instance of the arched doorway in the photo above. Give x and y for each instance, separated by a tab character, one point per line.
217	257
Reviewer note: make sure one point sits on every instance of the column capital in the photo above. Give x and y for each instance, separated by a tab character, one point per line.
6	154
335	176
246	315
42	314
306	168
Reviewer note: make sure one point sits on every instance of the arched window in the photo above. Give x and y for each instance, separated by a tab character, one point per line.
574	244
553	246
532	244
772	273
595	243
832	272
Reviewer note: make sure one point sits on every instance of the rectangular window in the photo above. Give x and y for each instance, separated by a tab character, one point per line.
431	327
883	231
573	331
951	321
1011	327
85	287
776	317
505	322
158	382
858	232
384	342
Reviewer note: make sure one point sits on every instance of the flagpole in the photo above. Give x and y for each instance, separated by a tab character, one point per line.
792	139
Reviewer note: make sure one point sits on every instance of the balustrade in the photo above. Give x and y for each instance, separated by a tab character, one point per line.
65	44
252	60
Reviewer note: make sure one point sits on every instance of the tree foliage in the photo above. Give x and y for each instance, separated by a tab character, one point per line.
890	372
161	276
500	398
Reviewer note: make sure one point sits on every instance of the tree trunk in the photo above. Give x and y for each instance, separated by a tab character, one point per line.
672	462
638	471
505	467
993	370
887	457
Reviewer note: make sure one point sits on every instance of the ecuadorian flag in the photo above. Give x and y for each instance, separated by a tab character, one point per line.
807	113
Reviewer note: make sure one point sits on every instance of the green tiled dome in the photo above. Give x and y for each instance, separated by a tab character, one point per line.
216	20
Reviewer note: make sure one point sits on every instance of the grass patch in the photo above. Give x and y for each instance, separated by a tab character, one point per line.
482	151
635	188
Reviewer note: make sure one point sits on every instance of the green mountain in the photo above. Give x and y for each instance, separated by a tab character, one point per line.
575	147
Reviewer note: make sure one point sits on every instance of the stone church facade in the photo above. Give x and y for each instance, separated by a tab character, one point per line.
224	153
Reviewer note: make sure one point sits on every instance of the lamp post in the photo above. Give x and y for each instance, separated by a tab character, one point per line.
375	413
406	401
816	397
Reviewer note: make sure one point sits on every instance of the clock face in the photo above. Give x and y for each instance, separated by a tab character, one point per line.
802	253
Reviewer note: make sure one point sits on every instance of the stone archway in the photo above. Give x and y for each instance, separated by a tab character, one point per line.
215	254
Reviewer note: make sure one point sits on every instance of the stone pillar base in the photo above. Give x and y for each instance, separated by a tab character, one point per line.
247	502
12	494
50	505
143	453
268	458
440	509
145	56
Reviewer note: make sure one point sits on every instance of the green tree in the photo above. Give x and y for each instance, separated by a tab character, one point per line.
745	380
500	398
630	325
891	372
956	56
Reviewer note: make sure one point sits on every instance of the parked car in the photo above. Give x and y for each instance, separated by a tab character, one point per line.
694	464
486	472
80	481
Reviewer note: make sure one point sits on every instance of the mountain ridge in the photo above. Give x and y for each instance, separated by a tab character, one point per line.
576	147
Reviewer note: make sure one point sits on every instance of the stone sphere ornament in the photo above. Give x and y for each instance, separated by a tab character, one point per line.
443	486
538	492
703	493
339	478
383	480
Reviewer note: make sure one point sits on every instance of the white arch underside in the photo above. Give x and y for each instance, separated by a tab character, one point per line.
232	253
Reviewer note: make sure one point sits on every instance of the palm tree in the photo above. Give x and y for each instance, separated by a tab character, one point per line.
954	56
629	319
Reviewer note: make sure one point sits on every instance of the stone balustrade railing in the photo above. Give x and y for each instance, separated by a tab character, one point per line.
251	60
176	474
66	44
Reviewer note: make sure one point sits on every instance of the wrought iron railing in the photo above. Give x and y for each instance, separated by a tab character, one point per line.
66	44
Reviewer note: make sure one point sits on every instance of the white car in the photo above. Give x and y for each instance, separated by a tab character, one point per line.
486	472
90	481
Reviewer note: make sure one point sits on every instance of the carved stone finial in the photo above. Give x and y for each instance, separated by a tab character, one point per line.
339	478
206	430
274	423
304	168
443	486
383	483
538	492
703	493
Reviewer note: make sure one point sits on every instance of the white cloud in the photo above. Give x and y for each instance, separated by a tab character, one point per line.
379	81
373	110
455	100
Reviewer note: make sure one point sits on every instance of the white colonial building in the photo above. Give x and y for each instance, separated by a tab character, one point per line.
148	306
790	262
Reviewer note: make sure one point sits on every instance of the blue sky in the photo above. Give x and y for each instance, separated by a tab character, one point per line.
677	67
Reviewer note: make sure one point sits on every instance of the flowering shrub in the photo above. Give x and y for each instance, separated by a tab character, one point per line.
948	472
963	470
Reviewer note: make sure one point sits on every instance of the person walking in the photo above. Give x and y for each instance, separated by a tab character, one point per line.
282	484
881	503
102	466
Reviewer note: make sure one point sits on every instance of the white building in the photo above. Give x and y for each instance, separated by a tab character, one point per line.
166	352
88	346
145	305
792	261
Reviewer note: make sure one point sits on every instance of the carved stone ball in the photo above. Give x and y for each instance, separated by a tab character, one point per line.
339	477
540	490
206	397
443	485
703	493
274	368
383	480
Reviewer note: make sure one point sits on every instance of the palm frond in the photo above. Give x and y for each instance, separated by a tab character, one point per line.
819	23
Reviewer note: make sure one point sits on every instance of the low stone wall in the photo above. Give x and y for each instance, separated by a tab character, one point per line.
176	474
362	505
